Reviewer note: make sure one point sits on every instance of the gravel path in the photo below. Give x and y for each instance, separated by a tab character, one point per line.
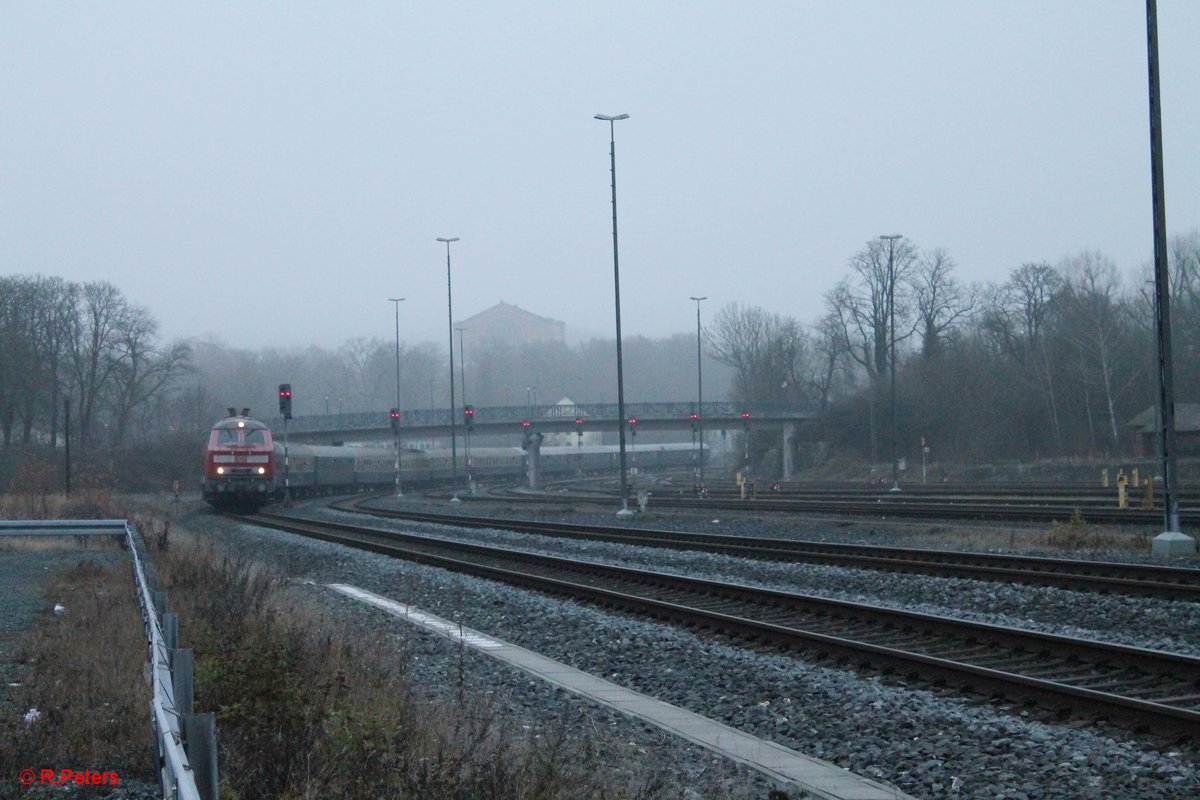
928	745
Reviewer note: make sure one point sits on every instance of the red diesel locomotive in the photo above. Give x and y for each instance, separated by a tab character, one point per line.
239	463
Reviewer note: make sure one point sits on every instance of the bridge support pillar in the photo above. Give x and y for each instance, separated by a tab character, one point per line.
533	459
789	435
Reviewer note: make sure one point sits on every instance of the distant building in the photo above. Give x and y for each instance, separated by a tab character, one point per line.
1144	428
508	323
567	408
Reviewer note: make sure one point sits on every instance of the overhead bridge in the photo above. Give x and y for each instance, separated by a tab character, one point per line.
526	421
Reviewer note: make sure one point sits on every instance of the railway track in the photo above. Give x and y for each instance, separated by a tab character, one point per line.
1147	580
1002	502
1132	686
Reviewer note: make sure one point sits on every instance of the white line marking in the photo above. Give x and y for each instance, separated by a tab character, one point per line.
428	621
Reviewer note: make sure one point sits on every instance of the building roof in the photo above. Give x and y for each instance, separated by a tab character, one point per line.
503	309
1187	419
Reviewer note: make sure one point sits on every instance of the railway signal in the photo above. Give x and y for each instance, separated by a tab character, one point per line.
285	400
468	416
395	416
745	420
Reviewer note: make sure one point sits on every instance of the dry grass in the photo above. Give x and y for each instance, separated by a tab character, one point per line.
82	671
1078	534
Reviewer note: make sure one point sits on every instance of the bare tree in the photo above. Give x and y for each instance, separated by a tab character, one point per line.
95	348
1094	318
861	310
1016	320
941	303
770	353
141	371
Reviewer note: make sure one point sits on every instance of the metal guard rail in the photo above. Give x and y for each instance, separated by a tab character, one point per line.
176	776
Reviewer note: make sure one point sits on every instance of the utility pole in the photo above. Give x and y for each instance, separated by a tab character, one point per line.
891	279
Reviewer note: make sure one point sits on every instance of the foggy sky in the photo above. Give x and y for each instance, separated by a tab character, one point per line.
271	173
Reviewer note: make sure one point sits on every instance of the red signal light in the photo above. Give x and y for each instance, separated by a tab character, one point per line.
525	423
694	415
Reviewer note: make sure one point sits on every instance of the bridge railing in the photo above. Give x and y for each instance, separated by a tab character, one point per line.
427	417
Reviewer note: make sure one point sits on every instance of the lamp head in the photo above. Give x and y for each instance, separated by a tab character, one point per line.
607	118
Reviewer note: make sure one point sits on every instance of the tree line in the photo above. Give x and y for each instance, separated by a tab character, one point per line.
85	347
1053	361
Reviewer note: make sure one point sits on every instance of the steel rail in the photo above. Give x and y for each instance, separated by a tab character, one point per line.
1006	506
928	509
1062	673
1145	580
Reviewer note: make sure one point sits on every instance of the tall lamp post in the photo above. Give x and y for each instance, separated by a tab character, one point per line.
699	397
462	375
1172	541
397	301
891	278
612	153
450	325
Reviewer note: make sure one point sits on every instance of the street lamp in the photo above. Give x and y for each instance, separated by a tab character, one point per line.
450	325
699	396
1172	541
397	301
891	240
462	374
612	153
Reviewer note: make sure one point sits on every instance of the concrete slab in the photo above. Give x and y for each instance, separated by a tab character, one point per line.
819	778
1173	544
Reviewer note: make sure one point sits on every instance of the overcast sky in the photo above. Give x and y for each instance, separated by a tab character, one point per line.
271	173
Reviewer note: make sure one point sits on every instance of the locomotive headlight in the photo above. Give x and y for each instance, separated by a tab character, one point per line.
220	470
262	470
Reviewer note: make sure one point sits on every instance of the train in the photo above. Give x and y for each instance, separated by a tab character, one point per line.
244	465
239	463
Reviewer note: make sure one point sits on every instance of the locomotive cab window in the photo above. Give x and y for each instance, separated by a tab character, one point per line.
255	437
227	436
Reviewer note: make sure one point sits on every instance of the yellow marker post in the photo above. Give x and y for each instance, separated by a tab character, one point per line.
1122	499
1104	478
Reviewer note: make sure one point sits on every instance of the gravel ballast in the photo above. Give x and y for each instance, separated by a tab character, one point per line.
926	744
